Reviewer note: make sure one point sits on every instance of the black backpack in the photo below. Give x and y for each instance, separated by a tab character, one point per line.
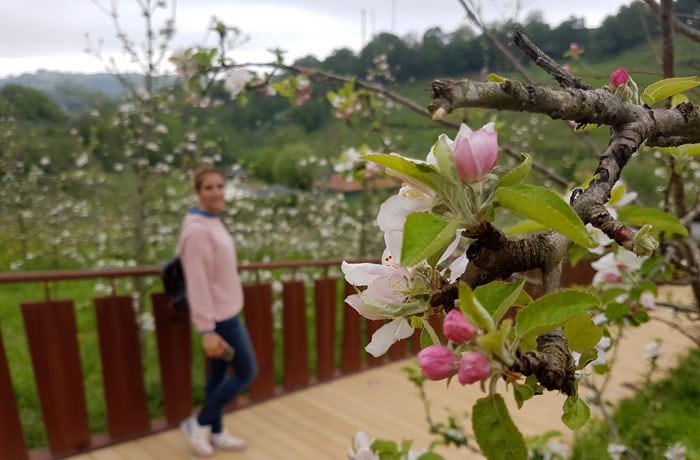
173	277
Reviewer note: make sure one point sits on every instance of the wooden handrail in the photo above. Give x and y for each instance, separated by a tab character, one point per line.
65	275
50	329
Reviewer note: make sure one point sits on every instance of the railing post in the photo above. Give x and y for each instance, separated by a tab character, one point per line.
174	340
258	321
325	304
350	360
122	370
296	348
12	443
53	343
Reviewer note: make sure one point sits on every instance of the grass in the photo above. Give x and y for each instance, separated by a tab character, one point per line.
665	413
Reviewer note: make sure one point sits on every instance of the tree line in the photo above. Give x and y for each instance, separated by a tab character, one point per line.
464	52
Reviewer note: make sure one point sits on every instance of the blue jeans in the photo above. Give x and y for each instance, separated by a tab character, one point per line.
220	388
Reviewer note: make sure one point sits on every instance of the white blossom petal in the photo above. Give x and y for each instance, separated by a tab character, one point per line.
387	335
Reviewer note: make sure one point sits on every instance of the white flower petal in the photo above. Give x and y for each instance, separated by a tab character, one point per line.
458	267
363	274
405	329
355	301
392	213
385	336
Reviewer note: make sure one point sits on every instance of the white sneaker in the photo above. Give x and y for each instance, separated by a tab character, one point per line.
225	441
198	436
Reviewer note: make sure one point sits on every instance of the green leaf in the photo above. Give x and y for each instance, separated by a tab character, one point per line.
547	208
647	285
425	235
616	310
472	308
495	432
522	393
421	172
492	341
517	174
430	456
611	294
678	98
552	311
582	333
667	87
381	446
446	160
495	78
525	226
497	297
576	413
586	357
640	317
685	149
661	221
428	336
617	192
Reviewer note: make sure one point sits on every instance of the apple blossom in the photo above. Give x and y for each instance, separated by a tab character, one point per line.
603	344
236	80
362	448
457	328
473	366
387	296
437	362
390	333
648	300
675	452
616	451
652	351
475	152
610	268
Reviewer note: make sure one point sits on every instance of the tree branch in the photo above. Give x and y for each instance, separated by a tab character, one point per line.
501	47
565	79
680	26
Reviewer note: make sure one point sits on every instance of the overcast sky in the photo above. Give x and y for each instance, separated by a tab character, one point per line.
50	34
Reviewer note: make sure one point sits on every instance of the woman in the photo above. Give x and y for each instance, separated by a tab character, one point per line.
215	297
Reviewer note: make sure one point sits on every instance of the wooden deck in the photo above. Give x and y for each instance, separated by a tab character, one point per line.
319	422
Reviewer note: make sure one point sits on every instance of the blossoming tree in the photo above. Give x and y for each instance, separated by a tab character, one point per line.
450	272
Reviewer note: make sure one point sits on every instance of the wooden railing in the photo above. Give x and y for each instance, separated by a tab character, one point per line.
52	337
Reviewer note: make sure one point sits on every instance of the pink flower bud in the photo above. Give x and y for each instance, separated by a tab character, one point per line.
457	328
475	152
473	366
619	77
437	362
573	47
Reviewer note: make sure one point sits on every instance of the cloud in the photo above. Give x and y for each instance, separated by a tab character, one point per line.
51	33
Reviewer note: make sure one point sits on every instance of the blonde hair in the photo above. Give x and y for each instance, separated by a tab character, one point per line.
202	173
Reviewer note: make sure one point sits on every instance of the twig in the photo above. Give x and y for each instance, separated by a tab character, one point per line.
565	79
501	47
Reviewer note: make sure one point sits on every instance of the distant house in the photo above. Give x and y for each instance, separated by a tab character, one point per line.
336	183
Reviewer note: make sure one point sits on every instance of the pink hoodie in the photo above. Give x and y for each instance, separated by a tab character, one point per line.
209	259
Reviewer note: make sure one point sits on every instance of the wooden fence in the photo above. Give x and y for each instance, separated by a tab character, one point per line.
52	337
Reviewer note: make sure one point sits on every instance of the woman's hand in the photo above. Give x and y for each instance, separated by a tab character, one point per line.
214	344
